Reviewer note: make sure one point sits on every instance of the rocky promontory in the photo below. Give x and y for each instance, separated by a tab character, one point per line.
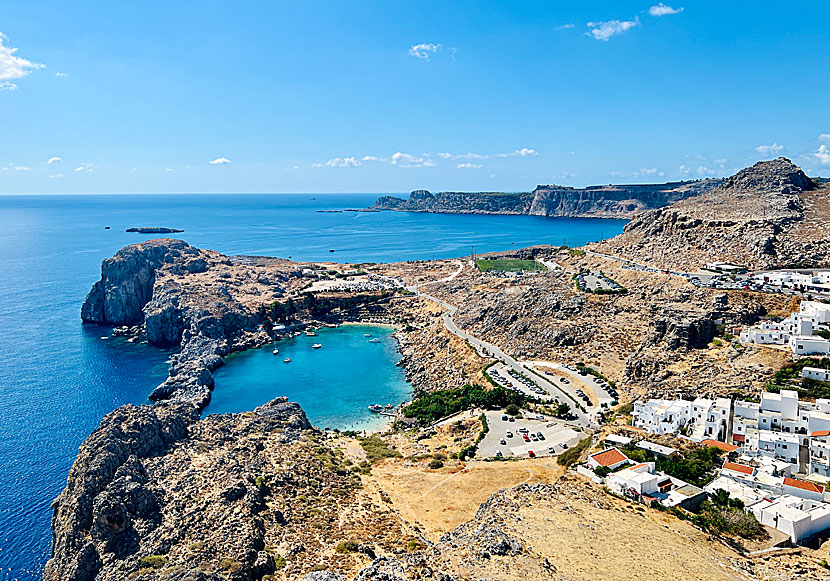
207	303
611	201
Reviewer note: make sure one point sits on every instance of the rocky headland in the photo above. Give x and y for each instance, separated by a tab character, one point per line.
768	215
611	201
207	303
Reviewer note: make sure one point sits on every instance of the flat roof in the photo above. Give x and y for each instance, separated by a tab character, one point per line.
656	448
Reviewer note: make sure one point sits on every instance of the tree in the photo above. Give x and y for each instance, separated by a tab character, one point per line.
563	410
512	409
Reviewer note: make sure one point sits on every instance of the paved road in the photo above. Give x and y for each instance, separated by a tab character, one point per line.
489	350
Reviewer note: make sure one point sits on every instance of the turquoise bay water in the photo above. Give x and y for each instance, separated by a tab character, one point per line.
335	384
58	378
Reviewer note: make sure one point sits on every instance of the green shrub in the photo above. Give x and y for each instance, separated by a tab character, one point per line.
571	455
414	545
512	409
344	547
376	449
152	562
435	464
279	561
431	406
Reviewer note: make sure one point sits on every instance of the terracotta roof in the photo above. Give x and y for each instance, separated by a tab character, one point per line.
722	445
820	433
609	457
802	484
738	467
738	438
640	465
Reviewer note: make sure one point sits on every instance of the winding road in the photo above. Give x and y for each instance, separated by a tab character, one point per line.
486	349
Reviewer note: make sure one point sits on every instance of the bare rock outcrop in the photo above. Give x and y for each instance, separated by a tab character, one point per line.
767	215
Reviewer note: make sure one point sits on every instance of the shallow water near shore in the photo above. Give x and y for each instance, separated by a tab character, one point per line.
58	378
334	384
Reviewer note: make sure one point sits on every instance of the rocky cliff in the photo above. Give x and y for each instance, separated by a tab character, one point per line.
770	214
612	201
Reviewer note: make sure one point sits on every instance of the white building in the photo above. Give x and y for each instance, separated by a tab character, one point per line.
798	517
641	482
700	419
816	373
795	332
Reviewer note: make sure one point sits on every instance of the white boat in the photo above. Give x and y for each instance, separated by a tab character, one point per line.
367	334
287	360
316	346
374	340
275	351
375	408
310	334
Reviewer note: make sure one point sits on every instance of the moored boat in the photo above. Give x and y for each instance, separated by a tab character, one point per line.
375	408
275	351
316	346
287	360
374	340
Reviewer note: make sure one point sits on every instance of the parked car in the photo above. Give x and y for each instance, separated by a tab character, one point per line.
551	450
523	429
540	435
498	454
503	442
509	434
531	454
564	445
512	419
504	418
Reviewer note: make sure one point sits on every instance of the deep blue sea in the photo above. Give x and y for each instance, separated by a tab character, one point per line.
58	378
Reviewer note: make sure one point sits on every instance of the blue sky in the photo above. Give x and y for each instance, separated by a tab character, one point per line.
393	96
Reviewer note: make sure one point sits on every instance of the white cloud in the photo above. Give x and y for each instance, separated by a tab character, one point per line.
54	160
168	169
523	152
824	137
219	161
60	75
823	154
408	160
469	165
605	30
13	67
84	167
372	158
423	50
663	10
721	161
565	27
767	150
22	168
56	175
343	162
649	172
702	170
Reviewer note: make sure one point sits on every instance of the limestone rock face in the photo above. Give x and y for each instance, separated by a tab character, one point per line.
596	201
134	492
127	278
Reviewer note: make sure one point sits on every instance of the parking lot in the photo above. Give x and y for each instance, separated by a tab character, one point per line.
507	377
555	435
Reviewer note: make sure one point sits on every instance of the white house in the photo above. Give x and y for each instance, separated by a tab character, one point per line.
641	482
816	373
796	331
798	517
703	418
809	345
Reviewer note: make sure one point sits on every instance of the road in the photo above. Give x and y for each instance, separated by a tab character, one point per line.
486	349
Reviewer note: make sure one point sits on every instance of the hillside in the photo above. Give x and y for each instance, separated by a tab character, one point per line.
767	215
611	201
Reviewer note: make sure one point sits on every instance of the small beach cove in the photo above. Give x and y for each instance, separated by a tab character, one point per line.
334	383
